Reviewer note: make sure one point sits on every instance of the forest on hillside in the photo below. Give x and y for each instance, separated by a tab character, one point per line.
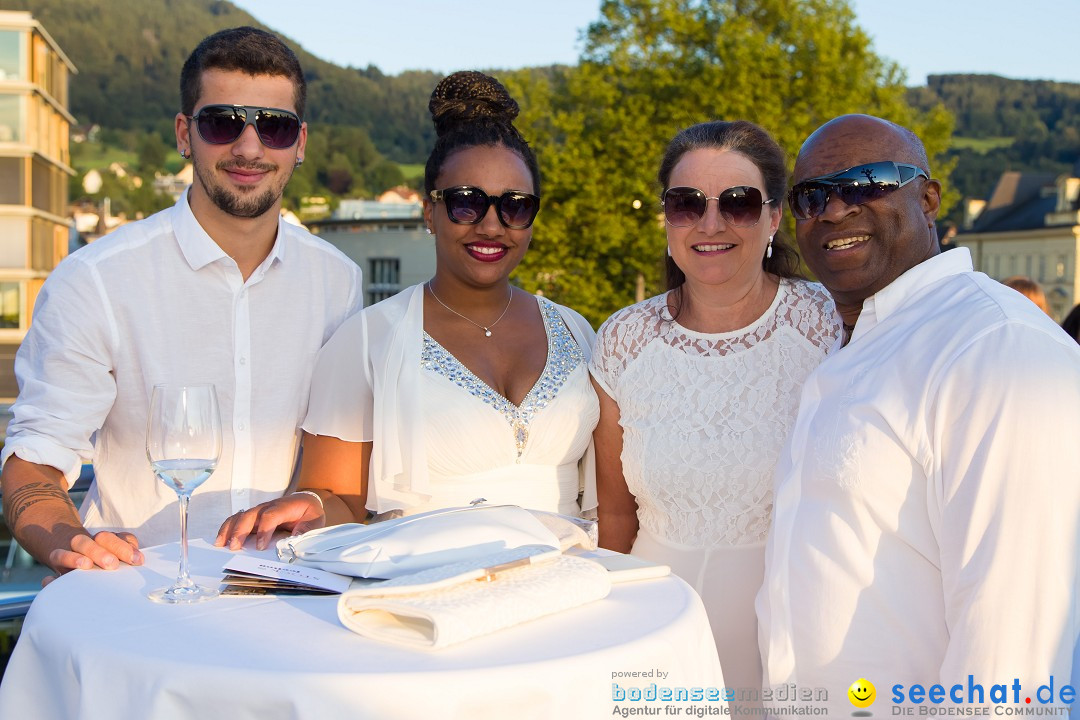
598	127
1004	124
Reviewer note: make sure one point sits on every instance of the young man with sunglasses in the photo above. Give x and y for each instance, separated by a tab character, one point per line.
217	289
927	509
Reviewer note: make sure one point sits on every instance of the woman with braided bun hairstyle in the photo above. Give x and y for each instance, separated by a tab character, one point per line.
461	388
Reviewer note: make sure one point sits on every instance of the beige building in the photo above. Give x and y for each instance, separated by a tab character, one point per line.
386	239
1030	226
34	170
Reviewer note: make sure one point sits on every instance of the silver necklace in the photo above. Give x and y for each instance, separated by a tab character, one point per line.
485	328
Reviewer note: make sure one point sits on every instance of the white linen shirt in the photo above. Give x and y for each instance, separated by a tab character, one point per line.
159	301
927	508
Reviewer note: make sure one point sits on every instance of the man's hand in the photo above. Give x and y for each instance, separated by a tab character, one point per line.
104	550
44	521
297	513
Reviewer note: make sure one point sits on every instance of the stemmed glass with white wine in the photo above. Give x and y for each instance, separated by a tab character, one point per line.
183	444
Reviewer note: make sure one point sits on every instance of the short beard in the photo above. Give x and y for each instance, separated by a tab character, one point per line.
242	207
233	203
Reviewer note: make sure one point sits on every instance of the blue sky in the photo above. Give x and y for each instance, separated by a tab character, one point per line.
1033	39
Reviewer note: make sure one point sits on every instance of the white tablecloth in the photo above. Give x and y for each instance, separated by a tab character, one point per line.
93	646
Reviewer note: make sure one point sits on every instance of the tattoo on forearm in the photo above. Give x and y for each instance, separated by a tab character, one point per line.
17	502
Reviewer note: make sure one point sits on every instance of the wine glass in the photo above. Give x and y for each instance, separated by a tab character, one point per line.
183	444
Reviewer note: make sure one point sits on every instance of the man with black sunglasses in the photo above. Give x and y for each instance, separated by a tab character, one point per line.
217	289
927	513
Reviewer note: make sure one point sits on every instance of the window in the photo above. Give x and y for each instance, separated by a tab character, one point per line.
10	304
48	187
11	181
11	126
383	280
42	245
11	57
15	231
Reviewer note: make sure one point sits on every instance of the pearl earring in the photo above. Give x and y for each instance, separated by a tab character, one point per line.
768	249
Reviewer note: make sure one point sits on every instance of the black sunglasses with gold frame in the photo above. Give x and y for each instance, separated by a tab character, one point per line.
467	205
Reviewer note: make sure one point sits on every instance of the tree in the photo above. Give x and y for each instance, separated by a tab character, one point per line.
152	152
339	174
651	67
1004	124
383	176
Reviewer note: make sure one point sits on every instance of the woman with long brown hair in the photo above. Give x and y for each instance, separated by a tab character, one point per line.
698	386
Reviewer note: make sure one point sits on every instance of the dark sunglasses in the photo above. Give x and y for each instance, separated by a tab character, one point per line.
467	205
855	186
739	206
223	124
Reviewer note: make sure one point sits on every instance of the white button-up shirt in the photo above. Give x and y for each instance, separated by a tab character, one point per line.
159	301
927	515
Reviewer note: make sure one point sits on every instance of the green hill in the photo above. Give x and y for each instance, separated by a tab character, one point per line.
1004	124
129	54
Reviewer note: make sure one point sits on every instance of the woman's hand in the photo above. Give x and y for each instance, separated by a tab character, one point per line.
297	513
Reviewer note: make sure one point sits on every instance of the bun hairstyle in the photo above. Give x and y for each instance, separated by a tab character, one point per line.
471	109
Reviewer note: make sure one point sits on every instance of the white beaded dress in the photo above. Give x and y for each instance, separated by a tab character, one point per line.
440	436
704	417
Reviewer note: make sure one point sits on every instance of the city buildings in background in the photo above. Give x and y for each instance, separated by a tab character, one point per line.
385	237
1030	226
34	170
95	218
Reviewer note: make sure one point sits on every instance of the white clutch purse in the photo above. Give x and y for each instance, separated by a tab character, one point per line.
447	605
409	544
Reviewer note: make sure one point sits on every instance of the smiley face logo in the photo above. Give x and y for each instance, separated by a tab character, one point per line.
862	693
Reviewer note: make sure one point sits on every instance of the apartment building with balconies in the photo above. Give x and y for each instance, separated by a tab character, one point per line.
34	168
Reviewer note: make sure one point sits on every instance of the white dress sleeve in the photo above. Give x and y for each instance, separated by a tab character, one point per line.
585	336
342	401
609	357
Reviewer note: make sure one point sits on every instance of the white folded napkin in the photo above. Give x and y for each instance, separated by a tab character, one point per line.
443	606
406	545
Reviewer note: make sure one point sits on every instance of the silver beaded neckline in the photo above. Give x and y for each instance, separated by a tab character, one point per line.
563	356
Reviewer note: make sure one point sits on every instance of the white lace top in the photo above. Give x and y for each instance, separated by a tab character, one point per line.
705	415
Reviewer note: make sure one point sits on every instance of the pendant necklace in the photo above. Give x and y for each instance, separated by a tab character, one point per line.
485	328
